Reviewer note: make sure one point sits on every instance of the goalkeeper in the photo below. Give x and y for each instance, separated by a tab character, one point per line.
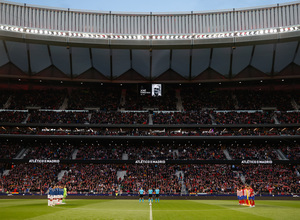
65	195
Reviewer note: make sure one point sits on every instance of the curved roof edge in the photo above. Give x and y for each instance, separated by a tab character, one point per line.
153	13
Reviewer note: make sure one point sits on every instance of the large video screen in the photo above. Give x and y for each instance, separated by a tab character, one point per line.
156	90
150	89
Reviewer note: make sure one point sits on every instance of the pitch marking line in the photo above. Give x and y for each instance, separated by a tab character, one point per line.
150	204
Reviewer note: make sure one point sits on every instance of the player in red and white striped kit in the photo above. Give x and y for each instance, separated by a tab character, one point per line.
251	197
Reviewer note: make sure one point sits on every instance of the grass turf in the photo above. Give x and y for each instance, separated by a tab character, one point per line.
132	209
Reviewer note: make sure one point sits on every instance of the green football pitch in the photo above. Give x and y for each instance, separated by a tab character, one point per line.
132	209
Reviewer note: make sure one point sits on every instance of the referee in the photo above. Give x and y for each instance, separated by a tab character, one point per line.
150	192
141	192
157	195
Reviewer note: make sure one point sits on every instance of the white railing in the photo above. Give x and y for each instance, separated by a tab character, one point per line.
118	25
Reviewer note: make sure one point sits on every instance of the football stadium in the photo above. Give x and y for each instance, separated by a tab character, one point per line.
175	115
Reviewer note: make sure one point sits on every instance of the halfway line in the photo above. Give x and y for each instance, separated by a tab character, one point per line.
150	204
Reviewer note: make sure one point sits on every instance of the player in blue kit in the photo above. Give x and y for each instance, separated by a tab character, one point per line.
150	192
157	195
141	192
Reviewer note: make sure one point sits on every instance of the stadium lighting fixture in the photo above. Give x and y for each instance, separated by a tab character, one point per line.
147	37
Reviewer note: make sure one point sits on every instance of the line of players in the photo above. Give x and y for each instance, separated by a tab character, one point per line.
246	196
57	195
150	194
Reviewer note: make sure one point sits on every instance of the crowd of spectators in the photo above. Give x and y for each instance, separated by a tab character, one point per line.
91	178
253	152
62	117
30	178
279	179
106	99
191	117
233	117
171	179
291	151
135	101
49	151
94	150
255	100
119	118
204	152
288	117
275	179
45	99
77	117
195	99
9	150
151	176
116	117
4	97
99	152
207	178
151	152
109	99
12	116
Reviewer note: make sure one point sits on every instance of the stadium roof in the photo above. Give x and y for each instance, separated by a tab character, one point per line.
63	44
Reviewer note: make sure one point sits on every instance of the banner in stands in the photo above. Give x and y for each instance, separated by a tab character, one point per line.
257	162
151	161
166	162
43	161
